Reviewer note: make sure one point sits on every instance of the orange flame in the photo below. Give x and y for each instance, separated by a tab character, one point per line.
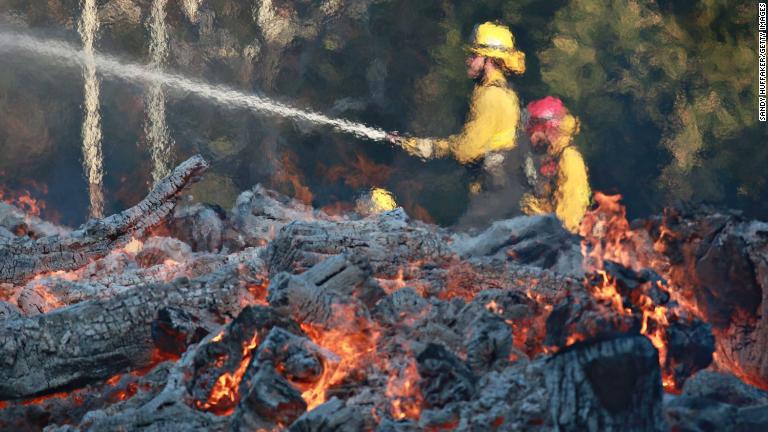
226	392
404	393
607	236
355	345
24	201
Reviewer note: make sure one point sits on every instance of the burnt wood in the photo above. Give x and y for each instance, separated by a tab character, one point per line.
23	258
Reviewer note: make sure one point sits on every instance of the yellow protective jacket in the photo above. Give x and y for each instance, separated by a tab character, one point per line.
492	124
572	195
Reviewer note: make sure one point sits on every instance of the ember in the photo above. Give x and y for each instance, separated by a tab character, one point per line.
225	394
374	322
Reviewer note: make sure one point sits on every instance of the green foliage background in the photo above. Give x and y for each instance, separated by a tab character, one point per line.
666	91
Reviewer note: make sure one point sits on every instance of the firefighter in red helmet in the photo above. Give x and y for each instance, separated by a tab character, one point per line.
555	170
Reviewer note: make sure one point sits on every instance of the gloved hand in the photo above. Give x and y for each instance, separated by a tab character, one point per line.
419	147
395	138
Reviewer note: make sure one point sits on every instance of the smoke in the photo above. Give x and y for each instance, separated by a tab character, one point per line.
91	132
155	127
67	55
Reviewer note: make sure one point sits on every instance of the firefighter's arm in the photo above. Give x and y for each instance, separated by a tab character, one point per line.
573	192
478	137
484	131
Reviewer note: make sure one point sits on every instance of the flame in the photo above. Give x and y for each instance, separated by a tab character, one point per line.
607	292
24	201
404	393
289	175
607	236
355	346
225	393
494	307
358	173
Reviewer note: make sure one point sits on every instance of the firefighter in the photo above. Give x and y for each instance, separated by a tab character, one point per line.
555	169
492	127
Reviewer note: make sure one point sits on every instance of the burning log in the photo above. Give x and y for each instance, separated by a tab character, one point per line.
96	339
719	264
268	399
105	278
614	385
22	258
220	364
70	408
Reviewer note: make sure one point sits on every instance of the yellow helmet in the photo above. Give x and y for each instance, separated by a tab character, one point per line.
496	41
376	201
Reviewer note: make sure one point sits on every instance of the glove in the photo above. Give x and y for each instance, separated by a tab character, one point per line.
395	138
419	147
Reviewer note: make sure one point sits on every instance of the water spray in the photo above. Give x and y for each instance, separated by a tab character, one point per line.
155	126
91	131
228	97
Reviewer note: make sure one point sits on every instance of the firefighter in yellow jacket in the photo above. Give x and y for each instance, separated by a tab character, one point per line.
555	169
492	127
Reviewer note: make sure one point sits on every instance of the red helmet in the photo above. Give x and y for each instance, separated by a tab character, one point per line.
549	108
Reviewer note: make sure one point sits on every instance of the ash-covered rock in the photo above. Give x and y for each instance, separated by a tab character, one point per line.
200	226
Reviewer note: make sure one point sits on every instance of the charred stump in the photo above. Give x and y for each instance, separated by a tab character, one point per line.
613	385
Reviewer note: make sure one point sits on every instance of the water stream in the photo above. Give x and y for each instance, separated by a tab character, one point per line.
65	54
155	126
91	131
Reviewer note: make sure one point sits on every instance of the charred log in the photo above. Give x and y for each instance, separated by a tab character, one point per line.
388	240
444	377
614	385
321	294
175	329
22	258
94	340
267	399
200	226
720	264
334	416
259	214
